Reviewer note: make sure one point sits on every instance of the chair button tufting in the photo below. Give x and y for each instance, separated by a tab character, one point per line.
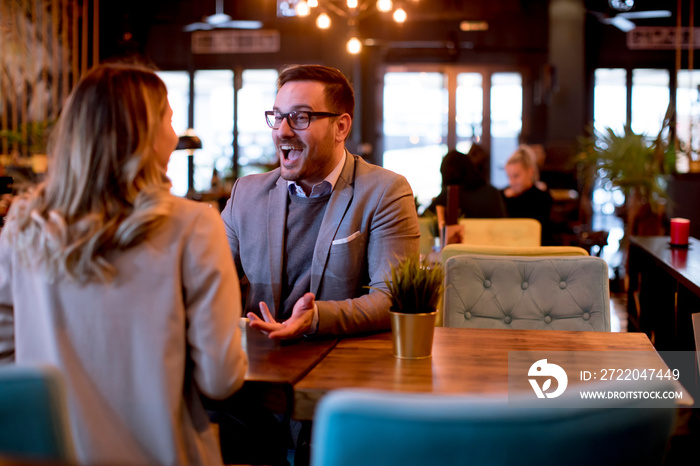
487	283
524	285
467	315
508	320
586	316
548	319
562	285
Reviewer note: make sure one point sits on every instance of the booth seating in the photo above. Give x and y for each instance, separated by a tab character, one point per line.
458	249
501	231
541	293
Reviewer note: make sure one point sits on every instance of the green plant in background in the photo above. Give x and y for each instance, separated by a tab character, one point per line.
635	164
631	162
32	137
414	285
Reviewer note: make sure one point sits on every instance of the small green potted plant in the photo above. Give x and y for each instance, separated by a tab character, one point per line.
414	285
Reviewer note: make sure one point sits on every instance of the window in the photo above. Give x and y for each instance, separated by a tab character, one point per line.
688	112
178	84
610	99
257	94
417	108
650	99
470	109
415	129
506	122
213	123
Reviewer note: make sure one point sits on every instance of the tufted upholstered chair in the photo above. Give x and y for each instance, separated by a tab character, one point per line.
458	249
374	428
500	231
542	293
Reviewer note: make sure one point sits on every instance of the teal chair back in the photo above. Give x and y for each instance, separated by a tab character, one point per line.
33	415
371	428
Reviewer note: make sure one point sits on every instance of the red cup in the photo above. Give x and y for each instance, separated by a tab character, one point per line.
680	227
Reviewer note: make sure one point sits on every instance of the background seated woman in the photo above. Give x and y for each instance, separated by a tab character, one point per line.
522	197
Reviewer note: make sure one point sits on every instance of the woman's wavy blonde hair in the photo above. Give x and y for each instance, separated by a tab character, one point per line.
104	189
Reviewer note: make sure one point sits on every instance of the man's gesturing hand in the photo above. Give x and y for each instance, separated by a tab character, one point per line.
296	326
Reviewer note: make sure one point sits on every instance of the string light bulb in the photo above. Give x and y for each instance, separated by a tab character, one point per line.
352	4
302	8
323	21
384	5
312	3
400	15
354	45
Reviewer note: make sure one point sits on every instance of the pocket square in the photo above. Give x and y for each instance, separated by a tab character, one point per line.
346	240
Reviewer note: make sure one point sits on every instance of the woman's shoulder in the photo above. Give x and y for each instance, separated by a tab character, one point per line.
186	211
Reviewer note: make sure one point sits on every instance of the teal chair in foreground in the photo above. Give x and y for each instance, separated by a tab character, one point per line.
371	428
33	415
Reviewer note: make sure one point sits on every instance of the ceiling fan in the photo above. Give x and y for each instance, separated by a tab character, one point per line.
623	16
221	20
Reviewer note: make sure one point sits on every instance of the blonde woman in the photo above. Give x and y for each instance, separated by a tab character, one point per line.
522	197
130	291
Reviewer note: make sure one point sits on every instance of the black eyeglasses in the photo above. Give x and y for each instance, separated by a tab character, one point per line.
299	119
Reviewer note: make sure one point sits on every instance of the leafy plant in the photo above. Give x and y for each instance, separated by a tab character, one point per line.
414	285
631	161
32	137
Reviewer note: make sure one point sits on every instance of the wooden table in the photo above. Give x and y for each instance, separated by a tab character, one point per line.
464	361
275	366
664	290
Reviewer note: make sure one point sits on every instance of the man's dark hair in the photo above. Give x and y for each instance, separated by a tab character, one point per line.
339	93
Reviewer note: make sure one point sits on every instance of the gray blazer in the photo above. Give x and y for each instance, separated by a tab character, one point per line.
370	219
136	353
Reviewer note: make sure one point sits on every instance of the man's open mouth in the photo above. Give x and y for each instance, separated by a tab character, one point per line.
290	152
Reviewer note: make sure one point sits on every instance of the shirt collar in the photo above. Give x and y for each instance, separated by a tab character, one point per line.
323	187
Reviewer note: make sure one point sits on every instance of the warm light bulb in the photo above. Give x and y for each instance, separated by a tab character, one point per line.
352	3
302	8
323	21
354	45
400	15
312	3
384	5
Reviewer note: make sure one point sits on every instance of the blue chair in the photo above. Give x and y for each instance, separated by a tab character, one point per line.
371	428
33	415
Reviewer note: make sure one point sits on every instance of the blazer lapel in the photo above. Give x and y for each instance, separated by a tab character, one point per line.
276	221
337	206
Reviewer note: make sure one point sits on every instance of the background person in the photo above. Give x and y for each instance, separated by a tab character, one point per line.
477	198
121	285
522	197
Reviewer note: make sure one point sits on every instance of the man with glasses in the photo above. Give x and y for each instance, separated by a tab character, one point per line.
314	234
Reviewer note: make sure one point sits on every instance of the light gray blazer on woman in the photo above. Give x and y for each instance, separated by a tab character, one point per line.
136	353
371	217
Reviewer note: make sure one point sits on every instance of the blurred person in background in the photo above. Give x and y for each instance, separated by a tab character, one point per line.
522	197
476	199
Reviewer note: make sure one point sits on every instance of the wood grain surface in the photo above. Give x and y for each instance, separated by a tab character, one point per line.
464	361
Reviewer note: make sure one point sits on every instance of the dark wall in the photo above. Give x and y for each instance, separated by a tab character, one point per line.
518	37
